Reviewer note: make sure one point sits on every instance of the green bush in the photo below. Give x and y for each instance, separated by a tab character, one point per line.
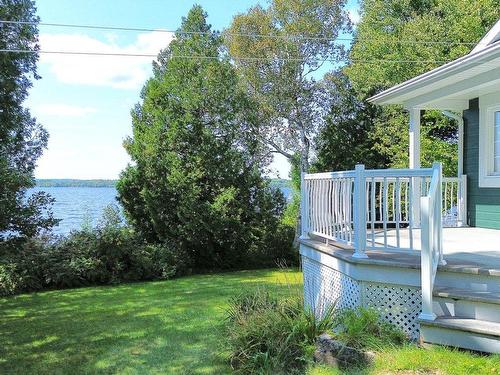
271	335
362	328
109	253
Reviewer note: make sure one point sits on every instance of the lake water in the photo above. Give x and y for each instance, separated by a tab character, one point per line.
78	205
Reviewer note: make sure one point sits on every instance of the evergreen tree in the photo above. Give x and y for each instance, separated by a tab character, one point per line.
22	139
195	181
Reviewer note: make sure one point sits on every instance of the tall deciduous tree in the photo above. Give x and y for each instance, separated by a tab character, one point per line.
399	39
346	139
277	50
22	139
196	182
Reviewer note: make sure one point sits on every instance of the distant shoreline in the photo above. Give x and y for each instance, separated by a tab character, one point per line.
70	182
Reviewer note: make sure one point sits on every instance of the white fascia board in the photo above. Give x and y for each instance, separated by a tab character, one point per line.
491	37
451	71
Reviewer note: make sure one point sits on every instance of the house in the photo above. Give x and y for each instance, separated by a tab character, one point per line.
421	248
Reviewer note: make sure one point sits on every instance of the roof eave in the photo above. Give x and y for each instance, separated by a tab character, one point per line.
391	95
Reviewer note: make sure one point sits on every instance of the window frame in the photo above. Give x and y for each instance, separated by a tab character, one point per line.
494	126
488	106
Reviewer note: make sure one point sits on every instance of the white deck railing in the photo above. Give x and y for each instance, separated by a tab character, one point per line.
385	209
375	209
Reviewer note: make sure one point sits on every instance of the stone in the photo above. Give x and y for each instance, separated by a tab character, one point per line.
335	353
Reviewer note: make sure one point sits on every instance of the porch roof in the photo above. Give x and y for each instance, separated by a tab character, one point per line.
451	85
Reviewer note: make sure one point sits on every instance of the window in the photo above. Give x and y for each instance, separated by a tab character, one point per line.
496	148
489	141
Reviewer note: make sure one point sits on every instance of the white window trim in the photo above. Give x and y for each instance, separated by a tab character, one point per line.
488	105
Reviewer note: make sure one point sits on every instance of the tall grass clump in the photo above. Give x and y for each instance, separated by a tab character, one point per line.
268	334
362	328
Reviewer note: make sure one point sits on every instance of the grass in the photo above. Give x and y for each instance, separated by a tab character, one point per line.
411	360
168	327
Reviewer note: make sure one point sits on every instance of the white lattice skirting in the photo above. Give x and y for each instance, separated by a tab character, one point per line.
325	287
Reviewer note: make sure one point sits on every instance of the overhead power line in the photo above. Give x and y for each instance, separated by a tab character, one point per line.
250	35
202	57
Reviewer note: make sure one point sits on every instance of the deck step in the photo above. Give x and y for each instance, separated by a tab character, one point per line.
467	325
467	304
474	334
480	335
478	282
467	295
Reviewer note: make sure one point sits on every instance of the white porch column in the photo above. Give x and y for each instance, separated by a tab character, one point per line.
462	180
414	138
415	164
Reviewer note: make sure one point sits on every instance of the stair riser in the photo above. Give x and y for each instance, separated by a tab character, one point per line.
467	340
466	309
468	281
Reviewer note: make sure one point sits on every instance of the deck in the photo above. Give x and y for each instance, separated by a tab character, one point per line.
470	250
463	247
375	238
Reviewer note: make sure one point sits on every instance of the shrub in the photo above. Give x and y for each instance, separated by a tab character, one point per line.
271	335
362	328
109	253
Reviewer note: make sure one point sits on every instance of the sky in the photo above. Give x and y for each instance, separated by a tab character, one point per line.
84	101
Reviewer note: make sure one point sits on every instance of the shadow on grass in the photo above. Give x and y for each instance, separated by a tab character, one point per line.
172	326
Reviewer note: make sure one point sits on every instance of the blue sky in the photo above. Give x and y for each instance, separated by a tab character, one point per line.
84	101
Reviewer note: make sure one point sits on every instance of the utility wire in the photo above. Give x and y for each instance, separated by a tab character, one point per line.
250	35
202	57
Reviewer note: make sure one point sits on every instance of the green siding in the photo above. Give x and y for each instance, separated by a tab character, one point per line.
483	204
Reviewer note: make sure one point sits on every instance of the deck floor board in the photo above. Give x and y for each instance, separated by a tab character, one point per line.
470	250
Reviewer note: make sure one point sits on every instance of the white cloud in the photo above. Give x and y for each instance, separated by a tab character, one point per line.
64	110
123	72
354	15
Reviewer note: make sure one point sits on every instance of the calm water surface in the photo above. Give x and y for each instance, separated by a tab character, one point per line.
78	205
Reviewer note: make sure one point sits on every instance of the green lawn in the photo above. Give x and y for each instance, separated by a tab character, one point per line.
411	360
168	327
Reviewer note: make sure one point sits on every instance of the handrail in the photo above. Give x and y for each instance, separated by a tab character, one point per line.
393	173
327	175
375	209
432	240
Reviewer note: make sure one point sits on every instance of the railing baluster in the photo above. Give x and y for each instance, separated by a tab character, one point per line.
314	206
398	211
393	202
321	202
335	209
342	210
385	213
373	208
330	208
411	185
445	193
380	206
453	202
